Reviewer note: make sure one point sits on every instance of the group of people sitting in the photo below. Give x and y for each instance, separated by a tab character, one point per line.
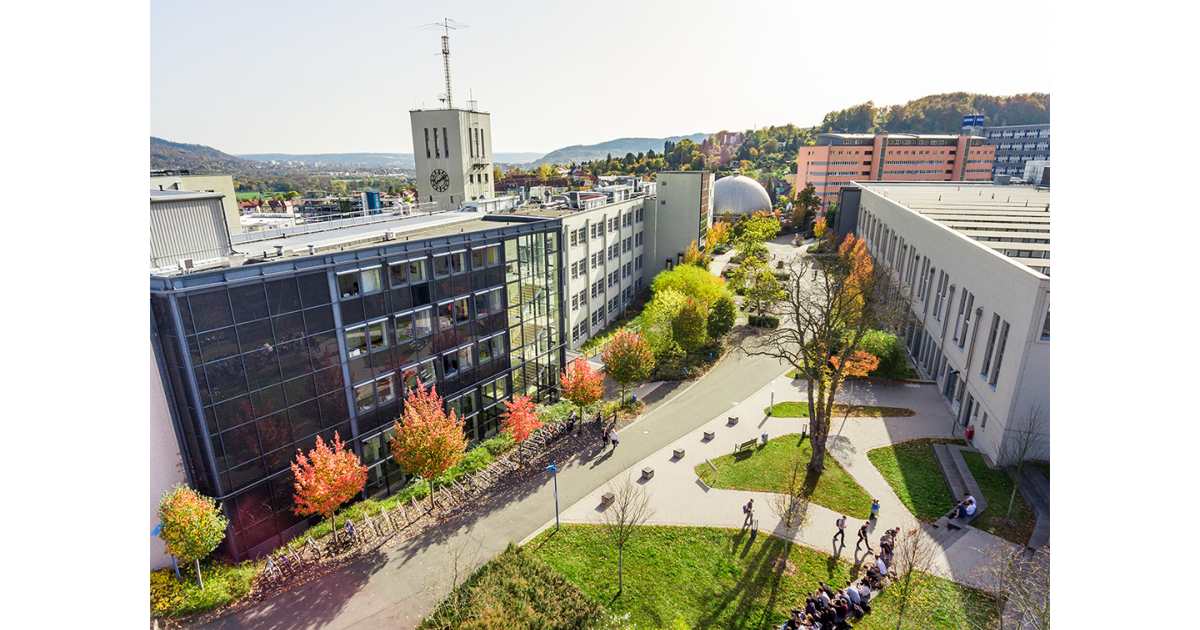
966	507
827	609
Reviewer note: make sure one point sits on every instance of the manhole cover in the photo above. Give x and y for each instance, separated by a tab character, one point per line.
645	433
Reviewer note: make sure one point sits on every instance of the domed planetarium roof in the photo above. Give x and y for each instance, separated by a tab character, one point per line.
739	194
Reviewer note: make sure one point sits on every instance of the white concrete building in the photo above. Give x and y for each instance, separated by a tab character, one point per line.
453	155
975	259
681	214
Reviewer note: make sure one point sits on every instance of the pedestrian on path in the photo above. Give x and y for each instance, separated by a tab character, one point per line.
862	536
748	510
841	525
874	508
613	436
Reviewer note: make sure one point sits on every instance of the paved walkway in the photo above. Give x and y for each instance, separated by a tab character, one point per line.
680	498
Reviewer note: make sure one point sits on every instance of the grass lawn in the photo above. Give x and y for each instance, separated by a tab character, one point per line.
997	488
695	577
797	409
912	471
223	584
768	469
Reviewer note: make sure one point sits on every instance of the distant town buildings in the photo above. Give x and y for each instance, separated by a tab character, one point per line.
1016	146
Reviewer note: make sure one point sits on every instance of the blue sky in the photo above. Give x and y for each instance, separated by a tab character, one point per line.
310	77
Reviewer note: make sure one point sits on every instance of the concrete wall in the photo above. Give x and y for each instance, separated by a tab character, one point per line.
685	201
166	466
470	144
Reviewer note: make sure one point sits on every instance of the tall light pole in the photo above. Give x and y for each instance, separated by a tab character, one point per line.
554	469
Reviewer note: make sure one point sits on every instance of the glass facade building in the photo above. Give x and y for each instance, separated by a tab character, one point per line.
261	359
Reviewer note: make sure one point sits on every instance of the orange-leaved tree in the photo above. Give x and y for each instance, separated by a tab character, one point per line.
191	525
427	441
328	477
819	228
627	358
521	419
581	384
718	234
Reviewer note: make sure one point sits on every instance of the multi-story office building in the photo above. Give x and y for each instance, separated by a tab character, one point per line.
328	332
841	158
682	214
604	247
975	259
1016	146
452	151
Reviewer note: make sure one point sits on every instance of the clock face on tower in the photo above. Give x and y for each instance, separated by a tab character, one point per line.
439	180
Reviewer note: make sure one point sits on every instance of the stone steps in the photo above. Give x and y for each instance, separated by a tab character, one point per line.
962	482
1035	489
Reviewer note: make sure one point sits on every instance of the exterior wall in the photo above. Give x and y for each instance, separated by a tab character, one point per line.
921	251
465	156
1017	145
681	215
206	183
891	158
187	228
589	316
166	467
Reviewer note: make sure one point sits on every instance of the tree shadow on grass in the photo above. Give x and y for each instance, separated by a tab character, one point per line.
745	592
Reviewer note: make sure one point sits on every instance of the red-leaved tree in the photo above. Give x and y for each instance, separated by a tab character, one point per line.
328	477
581	384
521	419
627	358
427	441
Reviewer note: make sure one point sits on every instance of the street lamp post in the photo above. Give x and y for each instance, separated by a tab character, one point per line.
554	469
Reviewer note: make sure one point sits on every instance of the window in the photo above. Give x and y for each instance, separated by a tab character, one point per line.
574	303
991	345
427	143
385	388
446	139
999	354
495	301
364	397
348	284
478	258
427	372
481	304
450	364
441	266
984	423
398	273
404	329
437	152
966	319
445	315
466	358
485	350
462	310
1046	327
416	271
378	334
356	341
458	262
423	322
493	255
637	239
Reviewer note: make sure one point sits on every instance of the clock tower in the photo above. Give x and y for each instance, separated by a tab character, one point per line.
452	149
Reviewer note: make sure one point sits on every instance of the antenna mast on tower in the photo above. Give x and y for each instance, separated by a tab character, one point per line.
447	24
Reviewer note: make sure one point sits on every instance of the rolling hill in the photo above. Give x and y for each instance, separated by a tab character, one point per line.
197	157
618	148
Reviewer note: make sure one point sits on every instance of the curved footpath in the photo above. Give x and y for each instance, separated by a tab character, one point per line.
680	498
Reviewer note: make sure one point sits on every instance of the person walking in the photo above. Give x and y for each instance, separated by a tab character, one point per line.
862	536
874	508
612	435
748	510
841	525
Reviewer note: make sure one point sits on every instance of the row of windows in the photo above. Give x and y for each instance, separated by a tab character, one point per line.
369	280
382	389
919	172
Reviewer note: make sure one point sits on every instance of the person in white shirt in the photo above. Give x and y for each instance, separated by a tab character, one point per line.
882	566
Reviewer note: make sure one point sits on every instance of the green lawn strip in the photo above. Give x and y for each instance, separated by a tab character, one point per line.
997	488
224	584
913	473
516	590
796	409
695	577
768	469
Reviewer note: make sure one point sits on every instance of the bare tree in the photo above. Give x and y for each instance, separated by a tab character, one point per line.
823	322
629	510
792	506
1024	440
911	559
1020	580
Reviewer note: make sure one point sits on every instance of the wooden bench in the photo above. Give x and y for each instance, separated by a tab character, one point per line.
709	436
647	473
733	420
747	445
606	498
679	453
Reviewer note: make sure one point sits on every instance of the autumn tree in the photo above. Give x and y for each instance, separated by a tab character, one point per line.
427	441
191	525
823	323
325	479
693	257
581	384
658	318
689	327
758	283
692	281
819	228
718	234
627	358
520	420
806	206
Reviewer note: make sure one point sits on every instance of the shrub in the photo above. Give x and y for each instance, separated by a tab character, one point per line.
764	321
721	318
887	347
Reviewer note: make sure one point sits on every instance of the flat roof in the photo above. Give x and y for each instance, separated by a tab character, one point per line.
183	195
1012	220
361	235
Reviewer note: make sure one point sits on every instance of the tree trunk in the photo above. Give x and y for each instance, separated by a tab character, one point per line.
1013	497
198	578
333	519
620	569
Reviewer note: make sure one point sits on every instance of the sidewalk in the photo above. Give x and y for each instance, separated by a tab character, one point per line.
680	498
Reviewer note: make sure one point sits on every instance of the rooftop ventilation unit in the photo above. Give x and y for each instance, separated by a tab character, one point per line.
186	264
